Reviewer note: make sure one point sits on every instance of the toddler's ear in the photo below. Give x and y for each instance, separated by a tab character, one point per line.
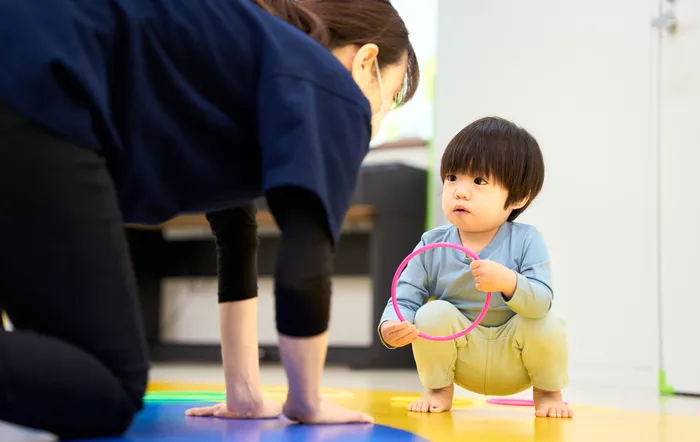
520	204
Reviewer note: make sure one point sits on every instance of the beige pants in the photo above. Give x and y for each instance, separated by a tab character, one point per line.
496	361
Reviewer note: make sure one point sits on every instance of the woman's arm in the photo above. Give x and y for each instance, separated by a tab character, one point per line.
236	234
304	262
235	231
303	300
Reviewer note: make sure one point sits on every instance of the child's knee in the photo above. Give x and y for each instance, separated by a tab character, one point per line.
435	316
549	330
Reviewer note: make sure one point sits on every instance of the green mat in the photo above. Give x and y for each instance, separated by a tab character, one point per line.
184	396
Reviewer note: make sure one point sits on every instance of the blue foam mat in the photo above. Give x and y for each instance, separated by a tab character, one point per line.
163	422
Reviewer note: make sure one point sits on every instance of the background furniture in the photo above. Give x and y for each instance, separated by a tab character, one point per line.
383	225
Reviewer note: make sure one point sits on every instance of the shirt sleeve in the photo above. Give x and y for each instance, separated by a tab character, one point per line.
412	291
304	263
236	236
313	137
533	294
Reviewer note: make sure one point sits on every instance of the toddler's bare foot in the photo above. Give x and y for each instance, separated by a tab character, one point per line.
263	409
550	404
434	401
324	412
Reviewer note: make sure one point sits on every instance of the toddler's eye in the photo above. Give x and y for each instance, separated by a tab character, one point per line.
451	177
480	181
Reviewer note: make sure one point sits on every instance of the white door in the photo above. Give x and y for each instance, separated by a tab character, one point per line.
679	118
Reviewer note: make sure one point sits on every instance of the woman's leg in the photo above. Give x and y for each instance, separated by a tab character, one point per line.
303	292
75	364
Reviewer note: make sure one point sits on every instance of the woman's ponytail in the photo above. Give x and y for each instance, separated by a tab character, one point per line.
299	16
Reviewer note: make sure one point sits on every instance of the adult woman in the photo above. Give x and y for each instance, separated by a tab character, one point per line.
133	110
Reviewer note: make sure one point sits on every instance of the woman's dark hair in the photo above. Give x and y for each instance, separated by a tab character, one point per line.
338	23
497	149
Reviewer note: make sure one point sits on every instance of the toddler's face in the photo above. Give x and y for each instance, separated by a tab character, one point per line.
474	204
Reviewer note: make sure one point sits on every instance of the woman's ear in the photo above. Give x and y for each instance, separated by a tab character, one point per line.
363	64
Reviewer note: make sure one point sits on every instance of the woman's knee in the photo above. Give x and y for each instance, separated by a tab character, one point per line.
130	403
135	387
116	423
113	424
113	409
436	316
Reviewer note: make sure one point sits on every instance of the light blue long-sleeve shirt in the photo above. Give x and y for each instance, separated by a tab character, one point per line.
444	273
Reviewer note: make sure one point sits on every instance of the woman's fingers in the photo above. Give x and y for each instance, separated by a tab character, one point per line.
203	411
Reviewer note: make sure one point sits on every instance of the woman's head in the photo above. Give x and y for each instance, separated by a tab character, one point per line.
362	34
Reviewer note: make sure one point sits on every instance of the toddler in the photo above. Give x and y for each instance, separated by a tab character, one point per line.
491	171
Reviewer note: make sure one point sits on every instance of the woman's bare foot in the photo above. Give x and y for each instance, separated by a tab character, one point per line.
550	404
264	409
434	401
325	412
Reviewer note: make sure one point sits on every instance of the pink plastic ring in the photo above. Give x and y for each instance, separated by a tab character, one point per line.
513	402
403	265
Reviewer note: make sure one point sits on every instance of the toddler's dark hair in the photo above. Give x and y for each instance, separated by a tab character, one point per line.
499	150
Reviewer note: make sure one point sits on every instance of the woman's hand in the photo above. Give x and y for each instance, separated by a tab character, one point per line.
267	409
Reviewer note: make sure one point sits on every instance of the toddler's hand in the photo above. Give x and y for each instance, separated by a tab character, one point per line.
398	334
491	276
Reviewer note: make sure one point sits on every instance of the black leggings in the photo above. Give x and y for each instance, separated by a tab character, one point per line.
76	364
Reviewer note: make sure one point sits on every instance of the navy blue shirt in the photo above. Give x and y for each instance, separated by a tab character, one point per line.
198	105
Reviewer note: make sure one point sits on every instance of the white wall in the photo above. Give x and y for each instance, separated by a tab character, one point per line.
578	75
190	312
417	157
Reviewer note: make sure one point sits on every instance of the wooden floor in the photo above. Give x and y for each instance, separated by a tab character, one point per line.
470	420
